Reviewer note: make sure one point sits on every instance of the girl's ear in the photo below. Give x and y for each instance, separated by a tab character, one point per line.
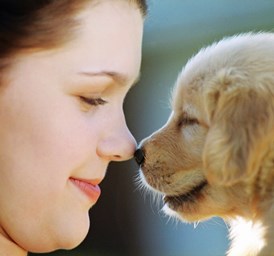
241	128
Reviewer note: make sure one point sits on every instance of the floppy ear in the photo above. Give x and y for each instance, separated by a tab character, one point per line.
241	126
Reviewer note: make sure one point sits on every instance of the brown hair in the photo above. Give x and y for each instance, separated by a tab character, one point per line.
39	24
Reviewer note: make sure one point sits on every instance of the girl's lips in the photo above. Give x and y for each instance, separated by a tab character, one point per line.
90	188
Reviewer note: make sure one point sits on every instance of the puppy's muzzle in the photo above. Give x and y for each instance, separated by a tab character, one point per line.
139	156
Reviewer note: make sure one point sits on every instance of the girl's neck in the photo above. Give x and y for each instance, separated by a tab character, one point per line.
8	247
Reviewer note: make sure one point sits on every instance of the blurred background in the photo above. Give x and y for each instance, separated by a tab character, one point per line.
126	221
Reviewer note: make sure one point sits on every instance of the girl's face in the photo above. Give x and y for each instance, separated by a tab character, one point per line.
62	122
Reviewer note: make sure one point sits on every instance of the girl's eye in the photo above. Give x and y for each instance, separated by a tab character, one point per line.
93	101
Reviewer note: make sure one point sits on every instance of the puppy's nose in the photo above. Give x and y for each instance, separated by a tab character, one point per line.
139	156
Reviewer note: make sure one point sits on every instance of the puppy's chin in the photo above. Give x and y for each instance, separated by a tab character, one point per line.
188	207
183	196
187	217
172	213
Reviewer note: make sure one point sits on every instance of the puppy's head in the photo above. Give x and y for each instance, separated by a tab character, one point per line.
207	156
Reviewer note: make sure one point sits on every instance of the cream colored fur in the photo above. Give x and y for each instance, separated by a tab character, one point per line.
215	154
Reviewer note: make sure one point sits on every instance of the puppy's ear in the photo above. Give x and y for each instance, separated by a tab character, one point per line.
241	118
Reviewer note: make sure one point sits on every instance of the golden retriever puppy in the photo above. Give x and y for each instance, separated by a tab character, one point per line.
215	154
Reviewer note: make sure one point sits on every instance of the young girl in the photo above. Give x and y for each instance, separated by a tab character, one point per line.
65	68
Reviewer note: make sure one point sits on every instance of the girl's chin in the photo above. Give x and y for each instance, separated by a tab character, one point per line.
65	238
74	237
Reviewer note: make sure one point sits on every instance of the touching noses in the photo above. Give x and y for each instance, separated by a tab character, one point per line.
118	144
139	156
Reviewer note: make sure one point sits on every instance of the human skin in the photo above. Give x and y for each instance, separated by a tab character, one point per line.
61	115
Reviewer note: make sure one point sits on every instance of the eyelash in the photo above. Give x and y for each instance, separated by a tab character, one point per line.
93	101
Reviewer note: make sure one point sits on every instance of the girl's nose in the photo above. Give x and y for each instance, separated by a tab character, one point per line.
118	145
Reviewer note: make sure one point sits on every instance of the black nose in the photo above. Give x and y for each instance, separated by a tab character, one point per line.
139	156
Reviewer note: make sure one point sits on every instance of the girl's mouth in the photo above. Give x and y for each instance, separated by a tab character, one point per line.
89	187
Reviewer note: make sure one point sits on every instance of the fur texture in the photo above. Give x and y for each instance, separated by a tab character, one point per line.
215	154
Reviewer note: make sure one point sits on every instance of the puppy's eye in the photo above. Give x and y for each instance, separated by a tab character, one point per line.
187	121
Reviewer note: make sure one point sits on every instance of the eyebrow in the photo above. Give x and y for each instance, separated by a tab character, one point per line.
119	78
